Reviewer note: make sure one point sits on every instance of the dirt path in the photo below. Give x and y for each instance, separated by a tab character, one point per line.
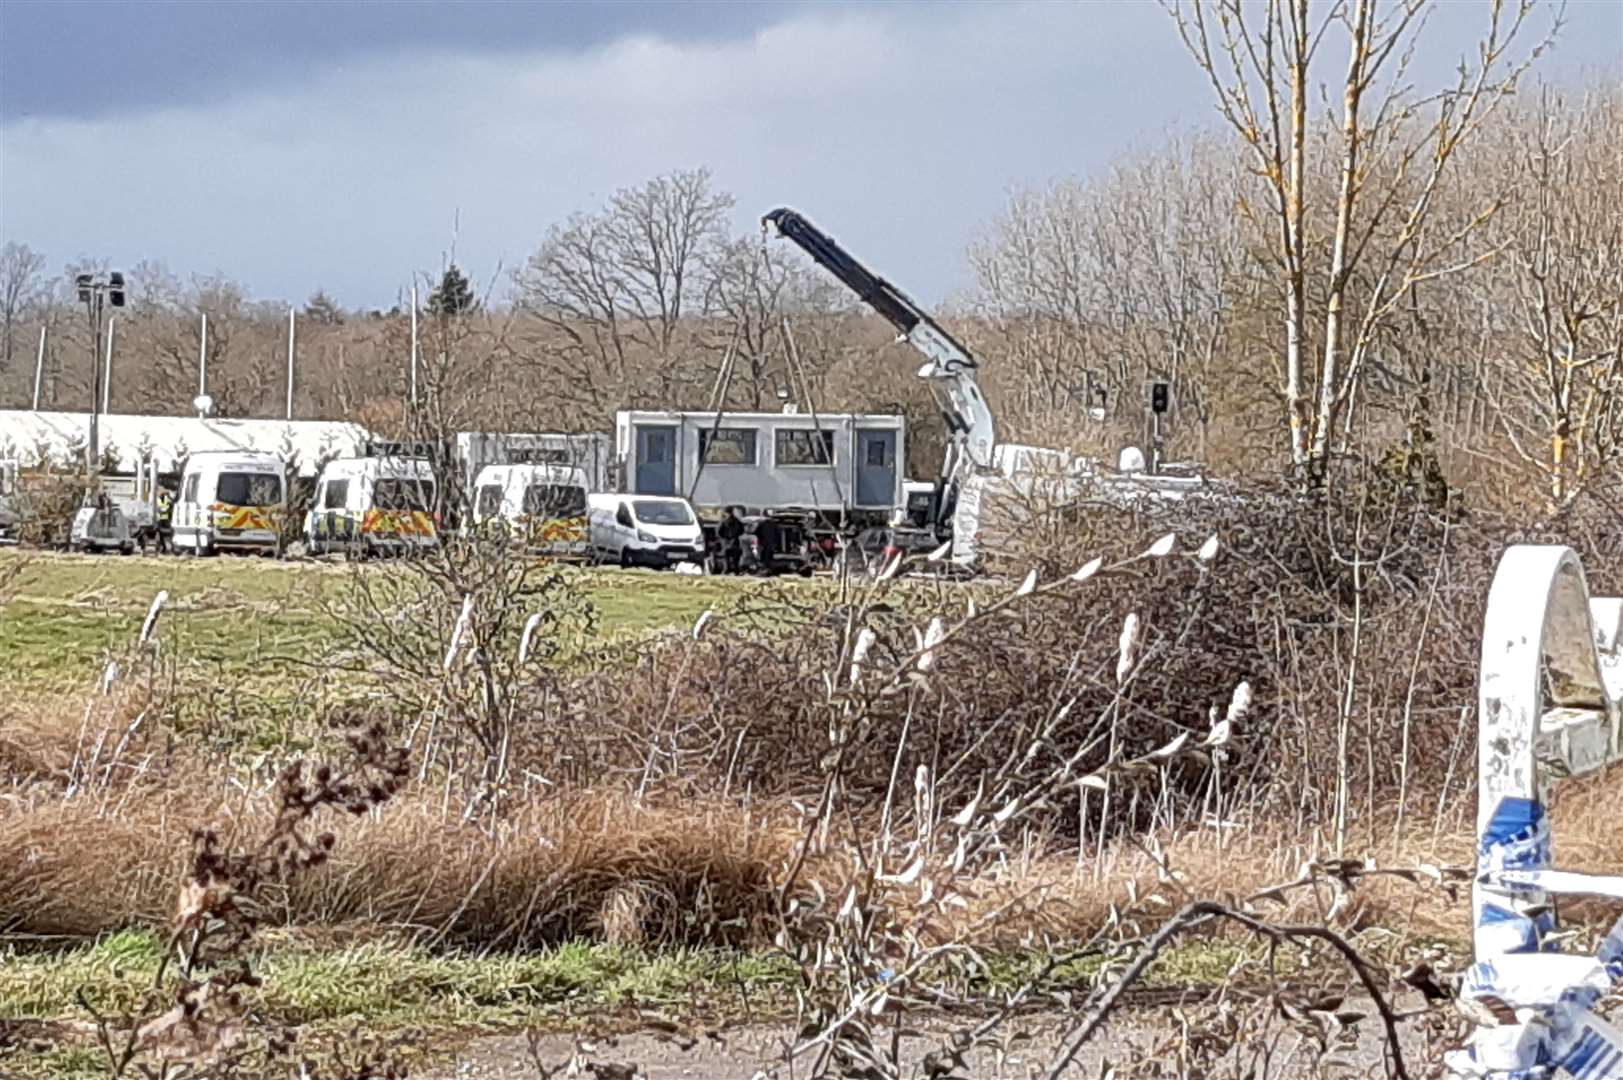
738	1053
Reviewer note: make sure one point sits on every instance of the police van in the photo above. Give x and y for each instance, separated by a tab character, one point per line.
543	507
230	500
373	506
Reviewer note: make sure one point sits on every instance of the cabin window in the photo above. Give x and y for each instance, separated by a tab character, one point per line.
555	500
727	446
249	489
189	492
337	495
403	493
622	516
805	447
490	501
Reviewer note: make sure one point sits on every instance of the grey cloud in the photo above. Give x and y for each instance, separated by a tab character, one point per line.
96	57
898	129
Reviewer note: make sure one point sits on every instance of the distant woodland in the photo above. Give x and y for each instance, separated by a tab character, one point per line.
1441	280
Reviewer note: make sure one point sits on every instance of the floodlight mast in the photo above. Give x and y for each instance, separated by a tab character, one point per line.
97	290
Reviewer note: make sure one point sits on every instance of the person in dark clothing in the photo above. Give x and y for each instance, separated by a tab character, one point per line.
166	521
731	532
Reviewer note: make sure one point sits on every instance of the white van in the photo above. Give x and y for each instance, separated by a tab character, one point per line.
373	505
645	530
544	505
230	499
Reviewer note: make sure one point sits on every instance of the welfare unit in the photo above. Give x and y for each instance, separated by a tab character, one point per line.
842	465
592	453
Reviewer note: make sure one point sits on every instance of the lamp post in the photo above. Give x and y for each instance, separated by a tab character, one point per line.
97	291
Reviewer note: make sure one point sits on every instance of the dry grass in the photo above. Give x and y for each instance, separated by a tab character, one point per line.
559	867
597	865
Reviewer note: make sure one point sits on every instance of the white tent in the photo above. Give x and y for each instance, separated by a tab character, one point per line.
32	438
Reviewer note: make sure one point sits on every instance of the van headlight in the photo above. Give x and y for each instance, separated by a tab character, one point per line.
647	538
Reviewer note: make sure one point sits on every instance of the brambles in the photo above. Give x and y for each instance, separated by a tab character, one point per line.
209	1029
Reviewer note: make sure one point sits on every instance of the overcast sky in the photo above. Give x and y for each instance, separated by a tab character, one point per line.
295	145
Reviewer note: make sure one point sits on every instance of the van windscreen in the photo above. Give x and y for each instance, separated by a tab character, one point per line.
249	489
555	500
663	512
403	493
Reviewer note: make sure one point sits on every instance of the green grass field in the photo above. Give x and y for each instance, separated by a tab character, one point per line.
232	616
244	641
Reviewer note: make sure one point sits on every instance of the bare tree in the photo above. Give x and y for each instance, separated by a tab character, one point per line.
611	289
751	289
1391	149
1089	288
21	285
1562	408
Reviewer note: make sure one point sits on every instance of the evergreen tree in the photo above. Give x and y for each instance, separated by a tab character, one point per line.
453	295
321	308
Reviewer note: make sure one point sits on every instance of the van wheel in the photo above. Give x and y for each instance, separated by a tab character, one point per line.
625	558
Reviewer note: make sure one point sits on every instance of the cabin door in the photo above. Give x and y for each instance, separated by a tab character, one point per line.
656	460
876	468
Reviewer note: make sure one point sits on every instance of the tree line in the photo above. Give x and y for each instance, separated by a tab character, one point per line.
1430	273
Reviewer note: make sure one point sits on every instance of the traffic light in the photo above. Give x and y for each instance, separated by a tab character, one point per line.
1160	397
115	288
83	282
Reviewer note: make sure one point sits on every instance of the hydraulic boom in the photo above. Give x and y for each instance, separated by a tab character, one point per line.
951	369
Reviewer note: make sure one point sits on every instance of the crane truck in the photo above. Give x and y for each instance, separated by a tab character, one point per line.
974	462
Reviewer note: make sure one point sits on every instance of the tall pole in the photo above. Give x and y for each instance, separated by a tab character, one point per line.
39	367
93	450
413	403
290	363
203	364
107	368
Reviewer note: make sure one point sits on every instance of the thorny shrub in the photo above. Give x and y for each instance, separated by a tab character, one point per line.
196	1019
904	931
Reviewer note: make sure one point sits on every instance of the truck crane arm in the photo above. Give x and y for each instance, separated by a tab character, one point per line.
948	364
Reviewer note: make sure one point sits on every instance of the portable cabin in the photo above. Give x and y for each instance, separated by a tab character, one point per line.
129	443
839	464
